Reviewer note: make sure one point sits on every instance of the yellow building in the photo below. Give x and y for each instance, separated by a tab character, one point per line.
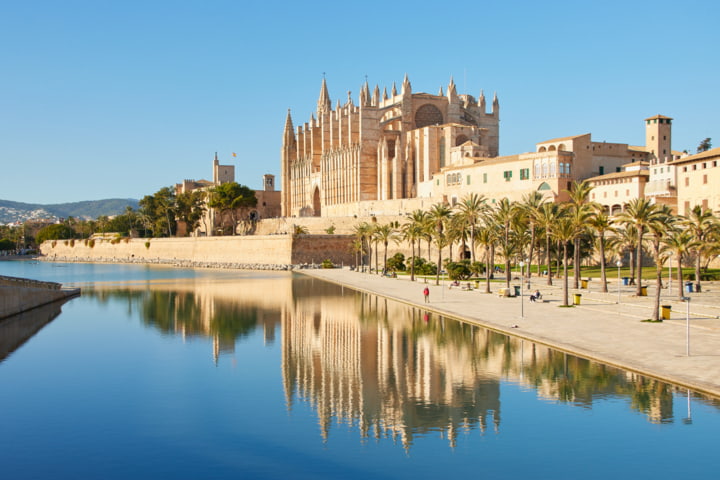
698	178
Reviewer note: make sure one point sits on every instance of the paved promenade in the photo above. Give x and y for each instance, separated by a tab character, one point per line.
599	328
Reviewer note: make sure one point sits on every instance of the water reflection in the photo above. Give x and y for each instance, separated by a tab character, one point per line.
18	329
385	368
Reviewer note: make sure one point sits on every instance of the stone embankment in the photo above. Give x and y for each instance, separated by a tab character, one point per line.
268	252
19	295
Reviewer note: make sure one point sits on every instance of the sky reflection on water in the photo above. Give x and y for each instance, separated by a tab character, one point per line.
191	374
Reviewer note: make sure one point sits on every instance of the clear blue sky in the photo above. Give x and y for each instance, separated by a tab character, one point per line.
104	99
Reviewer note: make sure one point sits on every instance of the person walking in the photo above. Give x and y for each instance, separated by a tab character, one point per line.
426	293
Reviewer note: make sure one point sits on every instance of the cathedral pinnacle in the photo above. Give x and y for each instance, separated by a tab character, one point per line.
406	87
324	105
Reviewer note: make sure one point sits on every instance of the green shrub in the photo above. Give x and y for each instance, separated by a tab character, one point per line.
396	263
327	264
147	245
458	270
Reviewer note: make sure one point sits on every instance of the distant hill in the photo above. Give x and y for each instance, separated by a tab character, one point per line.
89	209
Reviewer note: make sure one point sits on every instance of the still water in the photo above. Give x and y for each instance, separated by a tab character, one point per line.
175	373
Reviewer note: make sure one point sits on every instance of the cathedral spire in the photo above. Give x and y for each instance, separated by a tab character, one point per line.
440	92
406	87
393	92
481	101
323	105
385	95
376	96
451	90
288	133
496	105
365	94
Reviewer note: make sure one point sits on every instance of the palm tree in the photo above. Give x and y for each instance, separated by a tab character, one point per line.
601	223
385	233
362	232
625	240
547	217
504	215
662	220
564	232
700	222
531	204
640	212
487	236
439	216
578	202
412	231
679	241
470	210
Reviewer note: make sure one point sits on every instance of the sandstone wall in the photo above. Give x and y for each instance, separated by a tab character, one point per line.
256	251
19	295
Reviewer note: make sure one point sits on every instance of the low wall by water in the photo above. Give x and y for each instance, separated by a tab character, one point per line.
19	295
257	252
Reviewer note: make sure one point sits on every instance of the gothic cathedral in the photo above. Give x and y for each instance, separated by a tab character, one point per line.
381	149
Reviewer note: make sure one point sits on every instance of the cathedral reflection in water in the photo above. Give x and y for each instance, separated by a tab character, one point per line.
385	368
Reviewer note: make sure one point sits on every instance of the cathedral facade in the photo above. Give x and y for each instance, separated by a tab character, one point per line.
384	148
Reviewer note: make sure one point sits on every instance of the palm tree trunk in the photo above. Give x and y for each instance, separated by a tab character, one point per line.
565	275
603	276
412	261
697	270
658	282
487	270
638	269
548	260
679	278
437	273
576	263
530	252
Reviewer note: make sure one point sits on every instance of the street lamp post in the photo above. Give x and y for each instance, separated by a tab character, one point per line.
527	261
522	306
619	264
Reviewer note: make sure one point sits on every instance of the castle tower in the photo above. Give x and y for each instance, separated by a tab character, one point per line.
658	136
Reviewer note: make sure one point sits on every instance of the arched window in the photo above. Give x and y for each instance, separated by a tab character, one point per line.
428	115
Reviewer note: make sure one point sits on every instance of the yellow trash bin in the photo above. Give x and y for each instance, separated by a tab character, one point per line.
583	283
576	299
643	291
665	311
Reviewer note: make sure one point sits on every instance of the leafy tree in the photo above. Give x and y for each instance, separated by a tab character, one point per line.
57	231
158	212
191	208
7	244
233	201
705	145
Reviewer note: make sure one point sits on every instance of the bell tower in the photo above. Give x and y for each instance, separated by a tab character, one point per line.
658	135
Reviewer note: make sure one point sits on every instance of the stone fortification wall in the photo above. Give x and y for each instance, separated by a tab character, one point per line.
251	252
20	294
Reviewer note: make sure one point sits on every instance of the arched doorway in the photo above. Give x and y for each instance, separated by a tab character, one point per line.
316	202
